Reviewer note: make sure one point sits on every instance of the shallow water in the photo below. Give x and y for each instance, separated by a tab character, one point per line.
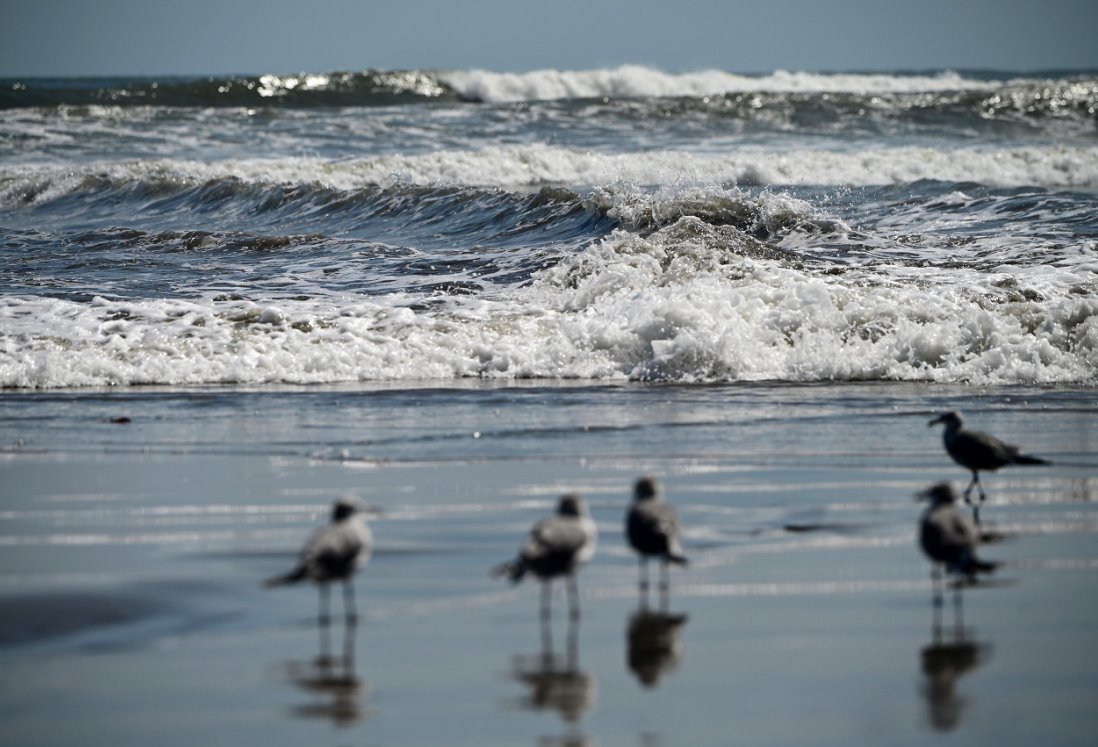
807	603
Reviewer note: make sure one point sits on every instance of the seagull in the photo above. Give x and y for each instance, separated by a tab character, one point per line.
653	531
333	553
978	452
556	546
948	536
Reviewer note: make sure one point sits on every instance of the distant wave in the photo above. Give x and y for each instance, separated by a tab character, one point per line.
634	81
384	87
367	88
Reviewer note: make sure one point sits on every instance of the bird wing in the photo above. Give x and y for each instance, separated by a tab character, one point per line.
333	551
948	535
554	536
980	451
653	528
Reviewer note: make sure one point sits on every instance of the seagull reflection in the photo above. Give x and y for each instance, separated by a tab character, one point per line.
557	682
334	681
654	644
944	661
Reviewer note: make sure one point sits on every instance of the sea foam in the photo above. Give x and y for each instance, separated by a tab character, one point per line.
688	302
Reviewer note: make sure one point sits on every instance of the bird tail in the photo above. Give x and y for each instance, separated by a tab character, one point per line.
678	559
1026	459
976	566
512	569
297	574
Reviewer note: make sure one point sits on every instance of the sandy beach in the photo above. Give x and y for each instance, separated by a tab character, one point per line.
132	556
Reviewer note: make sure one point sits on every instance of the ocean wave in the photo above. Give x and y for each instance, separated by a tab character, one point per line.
689	302
171	196
389	87
533	166
366	88
636	81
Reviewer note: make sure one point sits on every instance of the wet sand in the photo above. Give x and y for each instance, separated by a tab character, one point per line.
131	564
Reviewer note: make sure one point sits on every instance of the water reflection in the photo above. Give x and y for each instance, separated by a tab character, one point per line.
556	682
951	653
654	644
943	664
338	692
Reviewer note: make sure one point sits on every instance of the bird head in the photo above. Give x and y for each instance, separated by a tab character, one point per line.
345	508
950	419
571	505
646	488
938	494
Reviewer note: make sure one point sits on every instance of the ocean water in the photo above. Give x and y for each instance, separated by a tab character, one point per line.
455	295
614	225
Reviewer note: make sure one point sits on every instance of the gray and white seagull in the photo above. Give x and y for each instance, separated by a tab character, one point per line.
948	537
556	546
978	452
333	553
652	528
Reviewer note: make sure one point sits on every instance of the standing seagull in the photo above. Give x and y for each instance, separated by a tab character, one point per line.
978	451
653	531
949	538
556	546
333	553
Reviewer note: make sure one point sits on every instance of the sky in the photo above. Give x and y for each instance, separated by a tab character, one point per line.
43	38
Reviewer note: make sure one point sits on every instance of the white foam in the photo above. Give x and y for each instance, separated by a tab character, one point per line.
682	304
522	166
635	81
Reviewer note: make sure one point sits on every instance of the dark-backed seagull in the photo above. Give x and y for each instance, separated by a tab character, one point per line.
652	528
978	452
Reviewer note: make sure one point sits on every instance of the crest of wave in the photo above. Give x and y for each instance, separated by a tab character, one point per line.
636	81
534	165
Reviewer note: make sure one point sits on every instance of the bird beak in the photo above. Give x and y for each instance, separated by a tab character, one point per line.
936	420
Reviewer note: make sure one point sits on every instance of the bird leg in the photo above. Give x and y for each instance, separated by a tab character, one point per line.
643	561
546	601
665	585
968	493
544	618
972	483
323	621
958	614
323	618
350	613
573	597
